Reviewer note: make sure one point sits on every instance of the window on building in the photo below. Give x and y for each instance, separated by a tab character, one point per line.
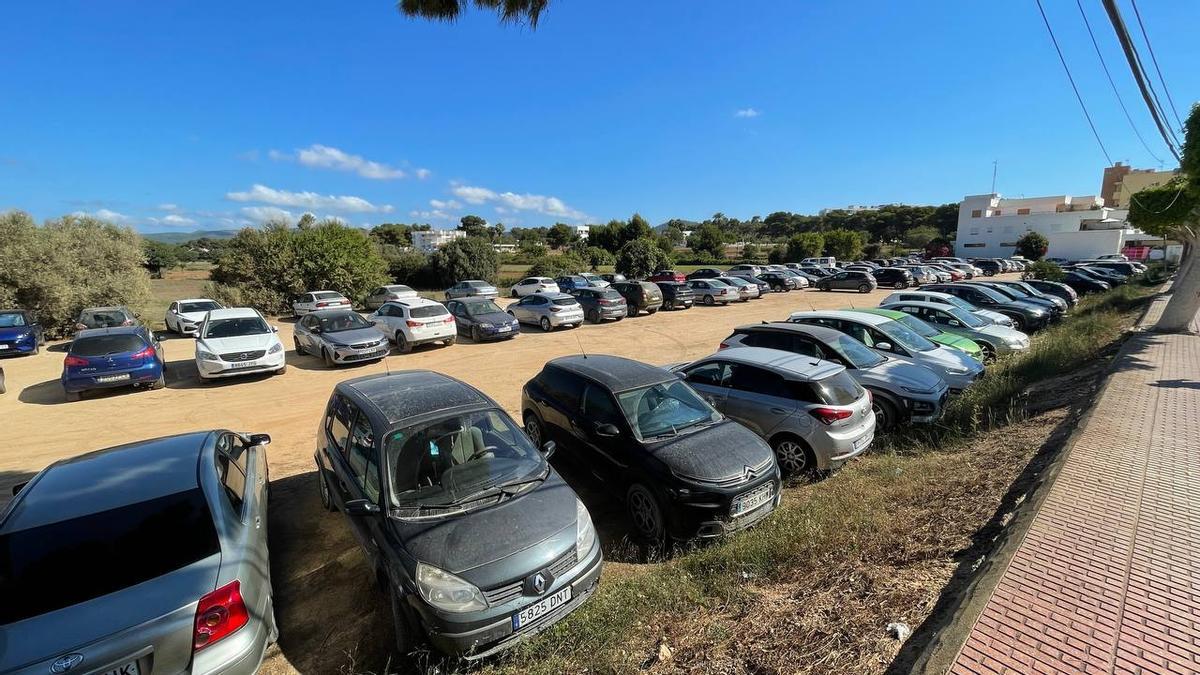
997	212
977	213
989	230
1022	212
974	230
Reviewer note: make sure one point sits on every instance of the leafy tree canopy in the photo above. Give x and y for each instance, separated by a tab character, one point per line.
461	259
1033	245
640	258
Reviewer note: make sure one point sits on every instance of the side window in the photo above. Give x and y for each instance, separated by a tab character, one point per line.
363	457
174	307
337	424
563	387
599	407
759	381
231	470
805	347
876	337
716	374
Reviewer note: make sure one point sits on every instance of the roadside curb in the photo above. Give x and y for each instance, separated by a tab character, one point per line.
957	621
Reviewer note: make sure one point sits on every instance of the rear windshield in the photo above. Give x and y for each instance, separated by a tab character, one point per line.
426	311
399	289
103	318
327	296
101	345
62	564
839	389
189	307
609	295
11	319
566	302
245	325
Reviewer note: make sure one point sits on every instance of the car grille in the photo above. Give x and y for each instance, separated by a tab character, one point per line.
361	357
234	357
511	591
365	345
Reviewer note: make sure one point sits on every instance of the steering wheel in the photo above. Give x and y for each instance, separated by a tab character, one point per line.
481	453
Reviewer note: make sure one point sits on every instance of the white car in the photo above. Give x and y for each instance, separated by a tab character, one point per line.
184	316
827	262
311	302
531	285
918	295
594	280
237	341
384	294
415	321
745	271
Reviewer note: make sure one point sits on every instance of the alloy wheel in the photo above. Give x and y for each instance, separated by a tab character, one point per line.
792	456
645	513
546	324
533	429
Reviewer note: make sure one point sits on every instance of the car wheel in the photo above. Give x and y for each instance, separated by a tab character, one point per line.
514	293
476	335
328	357
594	316
645	514
402	344
533	429
900	284
989	352
708	300
3	389
545	323
323	489
281	371
402	626
794	456
160	383
72	396
450	340
37	348
1018	323
864	288
299	349
885	414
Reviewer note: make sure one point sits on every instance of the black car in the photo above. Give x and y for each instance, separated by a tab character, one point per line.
1082	283
849	280
474	537
763	286
778	281
1110	276
20	333
640	296
482	319
676	295
1026	317
682	469
601	303
894	277
1057	289
706	273
1055	306
989	266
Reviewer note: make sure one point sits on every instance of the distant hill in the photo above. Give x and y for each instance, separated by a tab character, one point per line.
181	237
684	224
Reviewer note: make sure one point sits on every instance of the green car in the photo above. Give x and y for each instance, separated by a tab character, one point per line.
930	332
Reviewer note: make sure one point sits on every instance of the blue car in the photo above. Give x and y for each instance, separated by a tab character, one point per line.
103	358
20	333
572	282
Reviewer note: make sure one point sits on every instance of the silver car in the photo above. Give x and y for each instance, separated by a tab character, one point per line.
548	310
811	412
385	294
472	288
993	339
746	288
339	336
915	295
141	559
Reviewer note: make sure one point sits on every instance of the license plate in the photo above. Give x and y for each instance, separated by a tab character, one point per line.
863	442
504	329
113	378
753	499
130	668
534	612
244	364
2	347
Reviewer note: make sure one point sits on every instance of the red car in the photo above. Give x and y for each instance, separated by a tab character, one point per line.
667	275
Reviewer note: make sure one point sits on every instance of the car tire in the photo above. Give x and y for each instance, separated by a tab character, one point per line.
402	344
160	383
864	288
1018	323
3	389
709	300
989	352
450	340
72	396
900	285
299	349
327	357
886	416
404	632
281	371
794	456
514	294
594	316
534	429
545	324
323	491
645	514
476	335
37	349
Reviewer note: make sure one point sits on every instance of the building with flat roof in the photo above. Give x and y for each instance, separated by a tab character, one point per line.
1121	182
1076	227
429	240
581	231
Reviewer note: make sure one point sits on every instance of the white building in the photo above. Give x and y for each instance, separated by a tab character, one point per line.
429	240
1076	227
581	231
852	208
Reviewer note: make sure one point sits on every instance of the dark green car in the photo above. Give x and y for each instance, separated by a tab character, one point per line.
931	332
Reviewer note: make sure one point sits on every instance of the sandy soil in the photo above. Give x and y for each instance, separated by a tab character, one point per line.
312	551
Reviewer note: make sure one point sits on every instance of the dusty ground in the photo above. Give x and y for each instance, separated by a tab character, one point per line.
326	607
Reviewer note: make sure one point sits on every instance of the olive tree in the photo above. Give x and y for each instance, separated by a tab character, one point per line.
468	258
640	258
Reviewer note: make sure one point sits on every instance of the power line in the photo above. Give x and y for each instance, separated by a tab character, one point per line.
1116	92
1154	60
1135	66
1078	97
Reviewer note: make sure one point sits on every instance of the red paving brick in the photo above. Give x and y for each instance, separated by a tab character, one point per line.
1107	578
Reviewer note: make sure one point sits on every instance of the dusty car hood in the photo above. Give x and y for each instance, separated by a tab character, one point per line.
719	452
499	318
240	343
466	544
900	373
352	337
13	332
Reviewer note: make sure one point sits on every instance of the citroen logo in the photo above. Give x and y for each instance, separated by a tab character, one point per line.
64	663
539	584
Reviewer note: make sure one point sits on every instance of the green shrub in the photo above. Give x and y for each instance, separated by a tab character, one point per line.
640	258
465	258
1043	269
557	265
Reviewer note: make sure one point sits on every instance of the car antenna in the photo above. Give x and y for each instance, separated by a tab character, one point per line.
810	306
852	305
581	350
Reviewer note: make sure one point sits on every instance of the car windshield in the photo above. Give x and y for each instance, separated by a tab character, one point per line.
342	322
856	353
918	326
206	306
103	345
966	318
566	302
103	318
426	311
12	319
1014	291
481	308
992	294
450	462
235	327
327	296
905	337
478	284
664	409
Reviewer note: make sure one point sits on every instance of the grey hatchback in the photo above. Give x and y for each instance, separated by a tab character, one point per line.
141	559
477	541
339	336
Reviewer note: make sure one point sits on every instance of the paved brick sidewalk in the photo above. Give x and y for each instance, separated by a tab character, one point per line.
1107	578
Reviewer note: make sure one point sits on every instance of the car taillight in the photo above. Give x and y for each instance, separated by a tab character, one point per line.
830	415
218	615
555	308
448	319
413	324
75	361
147	353
723	345
322	304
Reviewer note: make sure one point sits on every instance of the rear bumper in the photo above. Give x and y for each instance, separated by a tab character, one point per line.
239	654
146	374
561	319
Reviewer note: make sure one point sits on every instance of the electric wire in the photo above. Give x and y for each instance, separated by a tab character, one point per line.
1078	97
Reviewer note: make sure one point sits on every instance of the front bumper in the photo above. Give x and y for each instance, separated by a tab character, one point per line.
703	517
352	355
926	411
25	345
268	363
470	641
500	332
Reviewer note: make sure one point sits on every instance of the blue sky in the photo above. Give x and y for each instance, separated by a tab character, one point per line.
182	115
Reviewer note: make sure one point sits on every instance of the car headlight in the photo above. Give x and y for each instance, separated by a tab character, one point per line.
446	591
275	348
957	371
486	326
585	532
206	356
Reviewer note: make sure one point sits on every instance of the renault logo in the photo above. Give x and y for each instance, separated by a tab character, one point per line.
64	663
539	583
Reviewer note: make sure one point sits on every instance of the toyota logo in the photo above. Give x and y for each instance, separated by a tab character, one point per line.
539	585
64	663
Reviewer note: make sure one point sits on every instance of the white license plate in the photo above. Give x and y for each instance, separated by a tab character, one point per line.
504	329
863	442
534	612
244	364
130	668
2	347
748	502
113	378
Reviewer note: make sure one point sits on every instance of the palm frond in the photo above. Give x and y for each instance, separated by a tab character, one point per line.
510	11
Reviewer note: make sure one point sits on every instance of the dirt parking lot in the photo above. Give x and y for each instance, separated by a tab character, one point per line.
317	570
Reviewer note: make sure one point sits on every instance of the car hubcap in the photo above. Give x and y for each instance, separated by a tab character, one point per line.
792	456
881	417
644	513
545	324
534	432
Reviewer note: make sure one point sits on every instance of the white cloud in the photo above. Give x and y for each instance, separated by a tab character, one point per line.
172	220
262	214
106	214
448	205
747	112
436	214
319	156
168	207
550	206
422	174
308	200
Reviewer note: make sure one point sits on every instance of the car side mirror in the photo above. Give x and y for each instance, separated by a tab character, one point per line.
18	487
260	439
953	322
315	330
885	346
548	449
361	507
607	430
274	329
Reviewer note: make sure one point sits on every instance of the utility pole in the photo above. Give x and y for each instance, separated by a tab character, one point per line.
995	167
